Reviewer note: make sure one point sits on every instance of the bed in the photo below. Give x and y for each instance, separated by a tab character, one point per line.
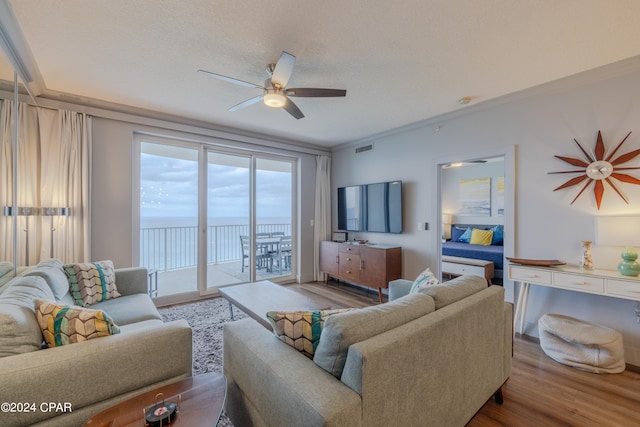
459	245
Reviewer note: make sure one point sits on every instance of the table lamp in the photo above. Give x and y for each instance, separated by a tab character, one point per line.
621	231
446	222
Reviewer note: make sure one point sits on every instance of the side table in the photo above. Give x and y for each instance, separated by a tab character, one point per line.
201	402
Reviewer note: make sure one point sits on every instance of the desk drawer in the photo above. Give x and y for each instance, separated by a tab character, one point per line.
521	274
624	288
462	269
581	282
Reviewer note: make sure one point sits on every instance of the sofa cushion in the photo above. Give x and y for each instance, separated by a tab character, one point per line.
454	290
19	330
129	309
426	278
51	271
300	329
23	290
5	267
343	329
64	324
91	282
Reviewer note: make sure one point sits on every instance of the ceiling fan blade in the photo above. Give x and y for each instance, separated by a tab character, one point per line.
293	109
283	69
246	103
231	79
316	93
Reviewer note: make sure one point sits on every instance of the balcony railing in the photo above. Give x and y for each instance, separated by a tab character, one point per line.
172	248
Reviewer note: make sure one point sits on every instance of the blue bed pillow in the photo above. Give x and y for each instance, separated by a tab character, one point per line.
498	235
456	233
466	236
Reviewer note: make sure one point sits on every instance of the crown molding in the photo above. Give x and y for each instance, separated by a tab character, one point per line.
615	69
17	51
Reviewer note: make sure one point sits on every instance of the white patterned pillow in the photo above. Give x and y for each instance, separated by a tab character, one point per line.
426	278
91	282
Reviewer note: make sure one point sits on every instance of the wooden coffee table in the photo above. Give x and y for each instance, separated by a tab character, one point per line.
202	399
256	299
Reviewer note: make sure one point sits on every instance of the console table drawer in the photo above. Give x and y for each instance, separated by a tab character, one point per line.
624	289
349	249
350	266
521	274
582	282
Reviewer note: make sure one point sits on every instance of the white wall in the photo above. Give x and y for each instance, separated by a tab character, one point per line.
451	178
534	126
113	186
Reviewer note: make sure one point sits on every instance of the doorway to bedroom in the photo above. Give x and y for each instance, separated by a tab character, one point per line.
473	209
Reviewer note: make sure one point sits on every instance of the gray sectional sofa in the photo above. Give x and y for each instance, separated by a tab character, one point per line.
86	377
422	359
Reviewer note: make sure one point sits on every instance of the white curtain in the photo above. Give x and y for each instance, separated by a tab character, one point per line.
322	223
54	155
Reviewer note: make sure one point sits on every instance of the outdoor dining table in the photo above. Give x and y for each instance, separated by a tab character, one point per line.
266	248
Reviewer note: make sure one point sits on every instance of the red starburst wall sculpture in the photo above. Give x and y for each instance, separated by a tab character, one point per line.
598	168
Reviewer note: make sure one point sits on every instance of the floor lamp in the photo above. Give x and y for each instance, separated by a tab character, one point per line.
23	211
51	212
31	211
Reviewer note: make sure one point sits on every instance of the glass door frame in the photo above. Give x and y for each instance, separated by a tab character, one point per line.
253	223
204	148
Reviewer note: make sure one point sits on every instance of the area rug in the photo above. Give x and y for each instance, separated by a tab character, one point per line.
206	319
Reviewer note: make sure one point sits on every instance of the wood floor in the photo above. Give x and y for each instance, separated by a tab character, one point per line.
540	391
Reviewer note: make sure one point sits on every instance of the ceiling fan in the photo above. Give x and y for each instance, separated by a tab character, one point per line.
275	91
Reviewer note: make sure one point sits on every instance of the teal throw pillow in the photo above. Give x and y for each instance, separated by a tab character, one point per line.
498	235
466	236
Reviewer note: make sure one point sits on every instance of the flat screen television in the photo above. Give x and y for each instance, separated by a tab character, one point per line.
371	207
351	208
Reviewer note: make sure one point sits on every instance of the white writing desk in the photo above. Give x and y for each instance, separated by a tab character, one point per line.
572	278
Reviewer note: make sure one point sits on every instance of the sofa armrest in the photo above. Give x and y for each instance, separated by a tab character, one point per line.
399	288
97	370
132	280
451	360
271	383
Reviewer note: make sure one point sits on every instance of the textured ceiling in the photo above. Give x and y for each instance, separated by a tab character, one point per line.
401	62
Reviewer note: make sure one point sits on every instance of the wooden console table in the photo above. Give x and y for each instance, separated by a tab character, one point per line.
573	278
369	265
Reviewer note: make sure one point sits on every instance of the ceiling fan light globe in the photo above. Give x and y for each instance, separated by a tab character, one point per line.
274	100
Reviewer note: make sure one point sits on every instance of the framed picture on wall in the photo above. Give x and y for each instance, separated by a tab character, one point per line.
475	197
499	196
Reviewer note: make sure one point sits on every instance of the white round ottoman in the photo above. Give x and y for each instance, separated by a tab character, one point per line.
583	345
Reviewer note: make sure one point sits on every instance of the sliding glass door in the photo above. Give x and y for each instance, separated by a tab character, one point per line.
274	239
213	217
228	219
169	216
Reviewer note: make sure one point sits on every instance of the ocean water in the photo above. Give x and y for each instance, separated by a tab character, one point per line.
169	243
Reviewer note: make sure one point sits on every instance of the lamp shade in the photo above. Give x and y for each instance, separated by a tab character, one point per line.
621	231
618	230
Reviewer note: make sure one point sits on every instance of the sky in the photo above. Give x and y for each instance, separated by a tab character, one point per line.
168	188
